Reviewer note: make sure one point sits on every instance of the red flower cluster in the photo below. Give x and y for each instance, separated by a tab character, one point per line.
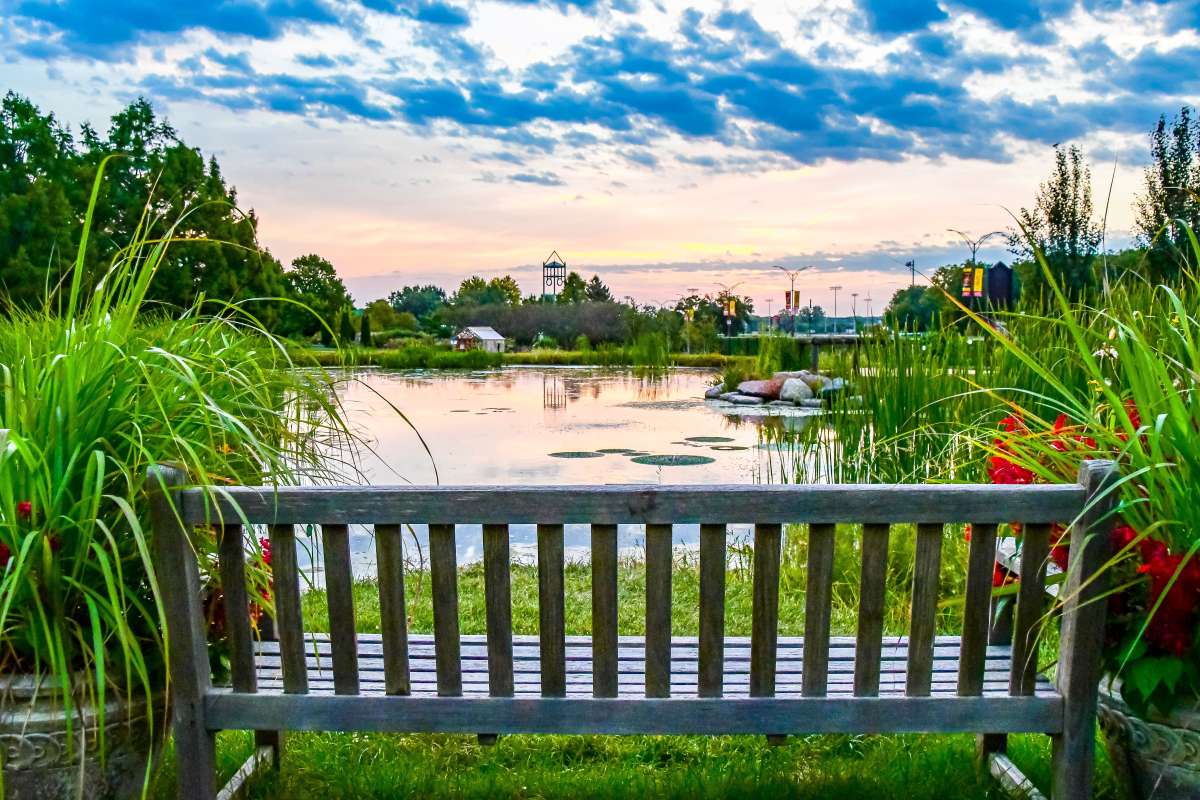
1004	470
1172	629
1001	576
265	544
25	509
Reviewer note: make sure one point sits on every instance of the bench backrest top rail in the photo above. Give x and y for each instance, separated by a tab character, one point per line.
635	503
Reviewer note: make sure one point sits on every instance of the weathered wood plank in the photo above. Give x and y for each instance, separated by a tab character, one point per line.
1031	603
869	503
871	598
393	616
923	620
818	607
712	609
658	611
443	582
641	715
981	561
604	610
764	623
498	594
551	621
339	593
232	559
260	760
289	624
179	581
1080	649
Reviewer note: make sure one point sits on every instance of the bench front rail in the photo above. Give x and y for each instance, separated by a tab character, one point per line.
656	684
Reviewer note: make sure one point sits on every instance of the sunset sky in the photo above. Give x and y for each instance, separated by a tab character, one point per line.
666	145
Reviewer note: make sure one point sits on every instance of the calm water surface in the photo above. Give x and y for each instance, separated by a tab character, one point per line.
500	428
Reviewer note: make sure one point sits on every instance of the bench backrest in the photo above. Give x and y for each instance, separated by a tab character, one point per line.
768	508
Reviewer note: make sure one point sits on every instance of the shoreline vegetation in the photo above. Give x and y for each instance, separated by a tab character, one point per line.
433	358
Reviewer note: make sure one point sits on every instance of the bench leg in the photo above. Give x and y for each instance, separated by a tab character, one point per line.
273	740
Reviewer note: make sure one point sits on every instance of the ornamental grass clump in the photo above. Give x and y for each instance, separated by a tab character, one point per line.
1139	347
95	387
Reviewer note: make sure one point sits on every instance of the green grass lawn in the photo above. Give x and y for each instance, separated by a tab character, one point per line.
389	765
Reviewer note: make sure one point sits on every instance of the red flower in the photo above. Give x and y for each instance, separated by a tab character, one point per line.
1001	576
25	509
55	544
265	544
5	555
1059	550
1175	588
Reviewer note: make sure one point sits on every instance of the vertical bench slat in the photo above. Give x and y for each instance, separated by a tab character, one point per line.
339	592
498	594
818	605
923	621
1031	602
551	628
872	594
1080	657
981	564
711	669
443	579
658	611
232	555
288	622
393	616
764	631
604	610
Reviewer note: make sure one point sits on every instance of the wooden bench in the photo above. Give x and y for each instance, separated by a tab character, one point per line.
657	684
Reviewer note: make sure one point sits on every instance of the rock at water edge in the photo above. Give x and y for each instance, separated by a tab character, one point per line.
794	390
714	392
768	390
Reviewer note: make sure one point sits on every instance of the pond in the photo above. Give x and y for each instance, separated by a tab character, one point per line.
548	426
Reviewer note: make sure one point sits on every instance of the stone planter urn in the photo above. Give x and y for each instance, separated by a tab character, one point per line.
40	761
1155	758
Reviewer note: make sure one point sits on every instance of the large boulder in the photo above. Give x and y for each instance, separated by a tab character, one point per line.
785	374
768	390
794	390
813	402
834	388
814	380
714	392
728	396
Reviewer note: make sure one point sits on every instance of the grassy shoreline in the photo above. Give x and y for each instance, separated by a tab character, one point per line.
904	767
429	358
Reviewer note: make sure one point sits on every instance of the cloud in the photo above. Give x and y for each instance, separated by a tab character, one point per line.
537	178
101	28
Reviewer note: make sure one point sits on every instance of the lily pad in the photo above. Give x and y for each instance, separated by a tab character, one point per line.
620	451
708	439
577	454
724	447
673	460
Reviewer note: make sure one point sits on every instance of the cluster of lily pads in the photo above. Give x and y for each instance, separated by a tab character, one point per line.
720	443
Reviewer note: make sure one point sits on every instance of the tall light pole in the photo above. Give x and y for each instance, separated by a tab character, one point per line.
854	309
835	289
729	297
975	244
792	273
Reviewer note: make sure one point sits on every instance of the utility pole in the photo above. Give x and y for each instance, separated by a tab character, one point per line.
791	305
835	289
912	269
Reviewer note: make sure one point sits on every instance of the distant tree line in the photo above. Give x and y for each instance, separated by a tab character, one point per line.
1061	228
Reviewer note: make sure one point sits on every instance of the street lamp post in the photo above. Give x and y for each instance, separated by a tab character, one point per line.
975	244
835	289
729	298
854	309
791	305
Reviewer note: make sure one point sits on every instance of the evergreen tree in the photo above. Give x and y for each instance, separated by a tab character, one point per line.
1061	228
314	284
1172	198
346	329
364	331
597	292
420	301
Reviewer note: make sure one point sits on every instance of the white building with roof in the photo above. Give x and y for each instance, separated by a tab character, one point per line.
479	337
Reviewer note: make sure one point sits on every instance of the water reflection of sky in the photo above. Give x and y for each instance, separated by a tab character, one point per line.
499	427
